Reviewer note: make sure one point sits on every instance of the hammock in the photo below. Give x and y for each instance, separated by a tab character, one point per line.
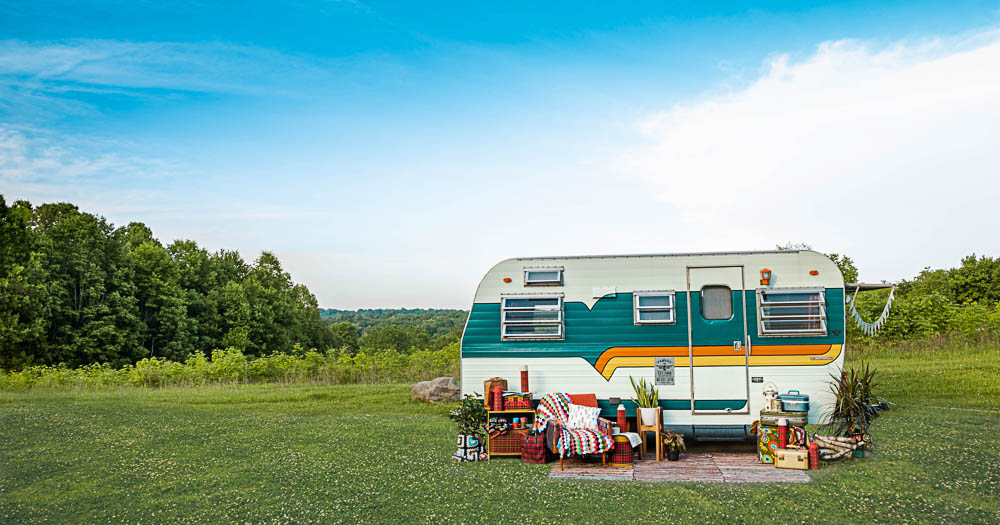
871	329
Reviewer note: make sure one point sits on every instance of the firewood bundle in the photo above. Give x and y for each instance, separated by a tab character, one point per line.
833	447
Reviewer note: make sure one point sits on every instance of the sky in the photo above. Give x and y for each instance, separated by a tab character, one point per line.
391	153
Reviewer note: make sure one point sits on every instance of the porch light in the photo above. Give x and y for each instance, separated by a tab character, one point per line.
765	277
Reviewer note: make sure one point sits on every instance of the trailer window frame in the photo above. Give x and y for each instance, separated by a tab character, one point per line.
769	312
558	281
638	309
508	321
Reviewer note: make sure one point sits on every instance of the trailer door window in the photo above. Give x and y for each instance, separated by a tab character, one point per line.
792	312
716	302
653	307
531	317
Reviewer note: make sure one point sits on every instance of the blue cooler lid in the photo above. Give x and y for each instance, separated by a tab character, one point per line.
790	396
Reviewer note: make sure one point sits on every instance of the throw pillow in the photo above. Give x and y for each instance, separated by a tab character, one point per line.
583	417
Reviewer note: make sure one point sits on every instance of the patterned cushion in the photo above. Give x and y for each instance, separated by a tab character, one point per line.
583	417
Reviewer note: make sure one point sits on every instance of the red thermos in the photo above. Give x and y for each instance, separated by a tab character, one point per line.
524	378
498	398
621	418
782	432
813	456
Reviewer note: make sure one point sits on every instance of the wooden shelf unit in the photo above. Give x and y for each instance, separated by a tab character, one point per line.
520	431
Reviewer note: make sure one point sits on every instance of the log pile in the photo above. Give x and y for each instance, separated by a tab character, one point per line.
833	447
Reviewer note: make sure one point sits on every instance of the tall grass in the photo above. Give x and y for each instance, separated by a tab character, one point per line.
941	371
231	366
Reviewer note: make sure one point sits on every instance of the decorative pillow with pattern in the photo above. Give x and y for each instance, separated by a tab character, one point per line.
583	417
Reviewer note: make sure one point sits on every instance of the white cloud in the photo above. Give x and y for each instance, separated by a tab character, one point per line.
33	155
890	155
119	65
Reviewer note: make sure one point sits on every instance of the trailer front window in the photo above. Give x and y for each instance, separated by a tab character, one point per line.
792	312
653	307
531	317
549	276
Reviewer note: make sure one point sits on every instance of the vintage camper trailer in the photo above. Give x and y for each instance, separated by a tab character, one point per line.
710	329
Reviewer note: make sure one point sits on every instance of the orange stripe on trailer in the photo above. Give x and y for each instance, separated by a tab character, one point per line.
645	357
723	350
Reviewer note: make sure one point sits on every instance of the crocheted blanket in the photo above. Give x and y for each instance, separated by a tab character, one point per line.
552	407
555	408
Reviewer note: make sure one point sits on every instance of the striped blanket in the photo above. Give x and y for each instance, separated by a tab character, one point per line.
554	408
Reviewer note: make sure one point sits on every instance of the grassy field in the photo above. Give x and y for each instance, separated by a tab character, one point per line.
322	454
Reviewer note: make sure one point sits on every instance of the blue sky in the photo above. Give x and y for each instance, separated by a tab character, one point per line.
389	153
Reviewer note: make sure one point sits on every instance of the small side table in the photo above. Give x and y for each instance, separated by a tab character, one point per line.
656	428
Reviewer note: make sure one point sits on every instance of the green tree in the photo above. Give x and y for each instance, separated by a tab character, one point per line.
91	304
846	265
977	280
344	335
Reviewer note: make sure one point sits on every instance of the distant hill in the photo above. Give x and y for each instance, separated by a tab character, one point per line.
435	322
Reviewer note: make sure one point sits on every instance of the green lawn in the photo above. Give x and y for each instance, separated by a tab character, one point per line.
366	453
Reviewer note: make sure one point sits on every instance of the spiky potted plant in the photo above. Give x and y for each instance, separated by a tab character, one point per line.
855	404
647	398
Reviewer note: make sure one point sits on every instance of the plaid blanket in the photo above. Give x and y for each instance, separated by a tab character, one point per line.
554	408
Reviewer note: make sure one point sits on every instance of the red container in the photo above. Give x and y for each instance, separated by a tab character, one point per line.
621	418
497	402
621	453
813	456
782	436
524	378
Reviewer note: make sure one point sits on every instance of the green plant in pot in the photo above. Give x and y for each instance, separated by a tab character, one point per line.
647	398
471	418
674	444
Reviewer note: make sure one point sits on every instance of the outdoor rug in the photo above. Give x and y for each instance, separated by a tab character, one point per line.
712	467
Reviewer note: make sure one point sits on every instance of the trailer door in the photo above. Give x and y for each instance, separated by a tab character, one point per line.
718	347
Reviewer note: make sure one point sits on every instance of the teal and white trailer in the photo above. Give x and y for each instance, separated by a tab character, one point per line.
710	329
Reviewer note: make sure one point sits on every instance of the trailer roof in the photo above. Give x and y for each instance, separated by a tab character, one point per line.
688	254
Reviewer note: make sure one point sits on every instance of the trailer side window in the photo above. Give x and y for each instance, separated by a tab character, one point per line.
531	317
548	276
716	302
792	312
653	307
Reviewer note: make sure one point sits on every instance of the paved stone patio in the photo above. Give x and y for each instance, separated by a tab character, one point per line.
714	466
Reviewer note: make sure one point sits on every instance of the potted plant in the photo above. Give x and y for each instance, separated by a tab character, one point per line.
647	398
855	404
674	443
471	419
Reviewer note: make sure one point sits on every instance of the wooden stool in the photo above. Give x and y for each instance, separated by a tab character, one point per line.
656	428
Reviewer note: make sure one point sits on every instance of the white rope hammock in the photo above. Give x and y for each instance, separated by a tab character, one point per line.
871	329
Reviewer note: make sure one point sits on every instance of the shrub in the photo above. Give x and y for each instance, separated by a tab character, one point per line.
232	366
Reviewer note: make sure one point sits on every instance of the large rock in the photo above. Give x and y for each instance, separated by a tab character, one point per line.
437	390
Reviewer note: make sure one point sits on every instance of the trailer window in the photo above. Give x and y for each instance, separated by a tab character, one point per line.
792	312
543	276
653	307
531	317
716	302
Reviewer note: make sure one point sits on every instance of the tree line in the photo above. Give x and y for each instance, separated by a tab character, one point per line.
396	329
75	289
963	301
